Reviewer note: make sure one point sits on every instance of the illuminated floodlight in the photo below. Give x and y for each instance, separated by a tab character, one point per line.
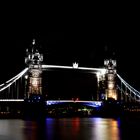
98	74
103	71
26	76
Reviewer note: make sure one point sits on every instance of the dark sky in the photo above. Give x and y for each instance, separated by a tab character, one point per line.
83	35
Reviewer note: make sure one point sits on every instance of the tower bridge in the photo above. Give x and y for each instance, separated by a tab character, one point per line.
110	84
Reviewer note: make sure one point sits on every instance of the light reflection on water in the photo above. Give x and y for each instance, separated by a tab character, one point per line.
106	129
11	130
60	128
83	129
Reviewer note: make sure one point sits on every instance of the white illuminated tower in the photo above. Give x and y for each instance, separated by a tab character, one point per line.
34	62
111	90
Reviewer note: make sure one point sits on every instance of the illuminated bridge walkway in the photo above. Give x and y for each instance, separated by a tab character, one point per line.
87	103
29	82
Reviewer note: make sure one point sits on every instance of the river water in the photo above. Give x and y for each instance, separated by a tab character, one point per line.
93	128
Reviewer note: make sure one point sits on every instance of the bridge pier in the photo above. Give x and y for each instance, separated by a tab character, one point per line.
111	89
34	104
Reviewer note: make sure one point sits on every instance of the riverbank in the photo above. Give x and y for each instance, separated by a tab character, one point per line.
31	110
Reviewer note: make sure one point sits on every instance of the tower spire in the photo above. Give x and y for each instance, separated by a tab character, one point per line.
33	43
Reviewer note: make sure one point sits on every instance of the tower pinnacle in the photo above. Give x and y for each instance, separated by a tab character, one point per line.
33	43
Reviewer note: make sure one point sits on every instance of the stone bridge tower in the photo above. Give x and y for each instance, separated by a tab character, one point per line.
111	89
34	60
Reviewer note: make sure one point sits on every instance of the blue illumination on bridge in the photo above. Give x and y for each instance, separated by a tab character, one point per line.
87	103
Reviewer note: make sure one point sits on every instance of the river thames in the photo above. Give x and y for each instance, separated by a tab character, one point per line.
76	128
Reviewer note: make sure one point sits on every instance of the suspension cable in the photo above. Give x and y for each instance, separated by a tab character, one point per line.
18	76
13	78
129	87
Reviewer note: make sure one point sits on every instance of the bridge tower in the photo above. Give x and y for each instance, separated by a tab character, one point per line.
34	60
111	89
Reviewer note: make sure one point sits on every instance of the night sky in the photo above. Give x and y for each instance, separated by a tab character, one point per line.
87	37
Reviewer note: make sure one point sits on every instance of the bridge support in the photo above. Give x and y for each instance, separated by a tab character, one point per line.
34	82
111	89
